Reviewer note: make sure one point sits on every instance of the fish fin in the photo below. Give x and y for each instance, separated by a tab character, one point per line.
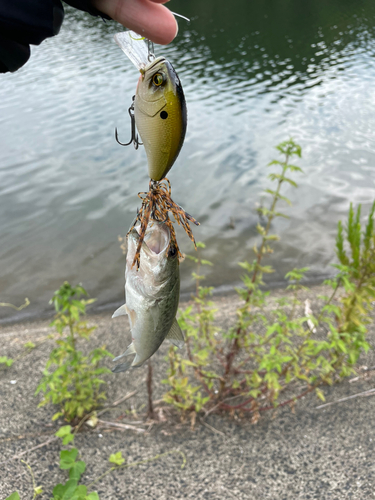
175	335
132	316
129	351
122	367
124	309
121	311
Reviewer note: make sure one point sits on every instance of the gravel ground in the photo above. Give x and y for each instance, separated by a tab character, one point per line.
310	454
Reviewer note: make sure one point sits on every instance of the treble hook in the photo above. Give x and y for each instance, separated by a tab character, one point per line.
134	136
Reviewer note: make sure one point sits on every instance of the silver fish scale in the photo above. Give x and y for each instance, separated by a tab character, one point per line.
152	297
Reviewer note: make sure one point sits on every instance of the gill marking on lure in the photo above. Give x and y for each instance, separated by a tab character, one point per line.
134	136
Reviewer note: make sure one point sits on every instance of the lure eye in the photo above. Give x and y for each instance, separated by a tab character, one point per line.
157	79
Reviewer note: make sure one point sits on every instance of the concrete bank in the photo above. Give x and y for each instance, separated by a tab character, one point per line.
310	454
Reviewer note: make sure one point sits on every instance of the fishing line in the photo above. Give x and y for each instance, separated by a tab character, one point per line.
180	15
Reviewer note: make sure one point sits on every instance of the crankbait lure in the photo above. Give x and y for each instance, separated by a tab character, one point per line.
159	106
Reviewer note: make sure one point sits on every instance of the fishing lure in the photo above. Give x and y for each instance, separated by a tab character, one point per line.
158	111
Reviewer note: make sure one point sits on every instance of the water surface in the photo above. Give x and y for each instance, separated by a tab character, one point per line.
254	74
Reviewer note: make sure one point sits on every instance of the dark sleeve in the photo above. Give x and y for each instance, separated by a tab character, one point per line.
25	22
86	6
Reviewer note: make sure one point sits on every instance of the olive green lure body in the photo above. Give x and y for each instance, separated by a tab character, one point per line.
160	115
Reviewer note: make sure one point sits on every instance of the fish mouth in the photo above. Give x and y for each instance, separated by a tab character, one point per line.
157	239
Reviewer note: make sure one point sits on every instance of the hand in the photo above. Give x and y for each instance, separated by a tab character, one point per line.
147	17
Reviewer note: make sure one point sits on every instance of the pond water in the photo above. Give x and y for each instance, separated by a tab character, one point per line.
254	74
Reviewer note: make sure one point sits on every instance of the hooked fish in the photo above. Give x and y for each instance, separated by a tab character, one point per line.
159	105
152	295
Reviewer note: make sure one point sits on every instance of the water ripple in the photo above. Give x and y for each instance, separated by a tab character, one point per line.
67	190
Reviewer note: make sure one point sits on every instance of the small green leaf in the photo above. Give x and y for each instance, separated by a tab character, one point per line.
65	433
206	263
77	470
92	496
6	361
65	491
29	345
320	394
67	458
38	490
13	496
116	458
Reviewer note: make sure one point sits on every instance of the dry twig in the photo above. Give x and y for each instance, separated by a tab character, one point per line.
370	392
41	445
127	427
212	428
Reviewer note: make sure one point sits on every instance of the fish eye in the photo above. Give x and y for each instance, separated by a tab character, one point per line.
157	79
172	251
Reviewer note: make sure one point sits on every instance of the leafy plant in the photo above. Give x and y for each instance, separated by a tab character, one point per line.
71	490
269	359
6	361
75	382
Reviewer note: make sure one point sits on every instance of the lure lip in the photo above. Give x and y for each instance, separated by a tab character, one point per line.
135	48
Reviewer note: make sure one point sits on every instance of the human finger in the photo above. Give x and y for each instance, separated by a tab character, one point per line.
146	17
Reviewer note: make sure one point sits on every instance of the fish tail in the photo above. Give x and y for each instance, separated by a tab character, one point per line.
129	351
122	367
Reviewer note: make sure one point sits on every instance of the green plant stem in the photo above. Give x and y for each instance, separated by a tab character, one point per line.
197	371
270	218
353	300
235	344
197	279
19	308
150	410
329	300
242	405
32	478
141	462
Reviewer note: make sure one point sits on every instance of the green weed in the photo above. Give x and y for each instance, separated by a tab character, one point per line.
4	360
270	359
69	461
75	382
